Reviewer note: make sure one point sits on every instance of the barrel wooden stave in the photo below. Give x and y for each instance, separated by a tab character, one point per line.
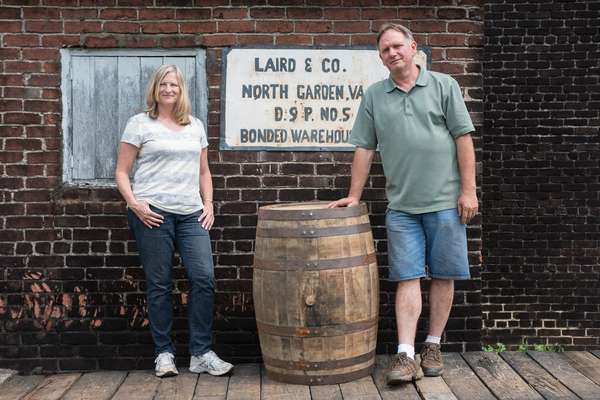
316	316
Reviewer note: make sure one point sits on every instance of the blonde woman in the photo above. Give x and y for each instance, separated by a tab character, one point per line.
170	207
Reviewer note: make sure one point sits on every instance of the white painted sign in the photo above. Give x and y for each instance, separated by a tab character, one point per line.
294	99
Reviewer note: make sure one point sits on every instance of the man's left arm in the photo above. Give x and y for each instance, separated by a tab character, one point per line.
465	155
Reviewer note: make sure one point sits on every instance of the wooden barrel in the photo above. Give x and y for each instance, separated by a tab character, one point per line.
316	292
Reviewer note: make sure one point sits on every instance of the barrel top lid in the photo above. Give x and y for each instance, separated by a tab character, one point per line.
307	205
309	210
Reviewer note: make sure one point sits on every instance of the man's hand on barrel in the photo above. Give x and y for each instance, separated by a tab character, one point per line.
344	202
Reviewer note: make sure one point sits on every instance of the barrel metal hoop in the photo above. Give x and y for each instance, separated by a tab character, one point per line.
316	331
310	232
273	214
315	265
307	365
320	379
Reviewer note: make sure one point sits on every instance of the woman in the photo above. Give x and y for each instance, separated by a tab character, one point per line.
171	207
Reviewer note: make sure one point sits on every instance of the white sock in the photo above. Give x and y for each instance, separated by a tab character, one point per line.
433	339
408	349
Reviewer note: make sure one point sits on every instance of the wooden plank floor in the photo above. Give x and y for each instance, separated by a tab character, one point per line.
468	376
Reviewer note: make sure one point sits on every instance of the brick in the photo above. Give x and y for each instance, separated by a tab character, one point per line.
332	40
194	14
162	27
342	13
313	27
10	13
274	26
10	26
85	26
235	26
21	40
43	26
304	13
198	27
416	13
121	27
218	40
465	27
118	13
255	39
61	40
11	105
98	41
379	13
447	40
301	40
154	14
267	12
351	27
44	13
79	13
41	54
230	13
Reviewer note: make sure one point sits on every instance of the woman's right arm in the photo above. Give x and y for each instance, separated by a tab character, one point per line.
127	155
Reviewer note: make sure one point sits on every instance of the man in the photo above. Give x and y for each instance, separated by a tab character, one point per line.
419	122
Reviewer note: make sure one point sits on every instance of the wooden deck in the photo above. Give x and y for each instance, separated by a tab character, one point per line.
469	376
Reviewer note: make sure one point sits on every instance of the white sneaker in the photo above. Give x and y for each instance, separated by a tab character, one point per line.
211	363
165	365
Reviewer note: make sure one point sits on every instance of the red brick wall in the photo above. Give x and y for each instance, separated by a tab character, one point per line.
541	173
71	288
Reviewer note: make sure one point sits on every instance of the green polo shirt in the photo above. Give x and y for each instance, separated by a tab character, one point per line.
415	135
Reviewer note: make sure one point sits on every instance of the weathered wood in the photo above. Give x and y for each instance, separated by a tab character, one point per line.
315	293
363	389
397	392
106	91
537	377
84	119
326	392
181	387
274	390
462	380
211	387
499	377
53	387
434	388
244	384
18	386
139	385
557	365
585	363
96	386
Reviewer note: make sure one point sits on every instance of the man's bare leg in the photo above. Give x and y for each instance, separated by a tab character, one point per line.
408	310
441	294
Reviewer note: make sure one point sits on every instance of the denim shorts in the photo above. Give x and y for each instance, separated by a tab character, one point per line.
437	240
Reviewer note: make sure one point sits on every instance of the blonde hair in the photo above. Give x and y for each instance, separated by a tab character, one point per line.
183	106
396	27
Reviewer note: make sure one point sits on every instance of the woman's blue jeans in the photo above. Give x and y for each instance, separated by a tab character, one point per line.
156	247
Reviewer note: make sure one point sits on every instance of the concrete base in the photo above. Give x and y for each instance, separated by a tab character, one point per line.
6	374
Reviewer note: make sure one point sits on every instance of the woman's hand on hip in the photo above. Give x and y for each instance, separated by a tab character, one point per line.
207	218
145	214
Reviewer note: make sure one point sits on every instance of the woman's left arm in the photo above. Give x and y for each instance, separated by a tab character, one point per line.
206	191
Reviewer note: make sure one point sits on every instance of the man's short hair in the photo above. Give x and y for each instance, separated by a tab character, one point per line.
397	27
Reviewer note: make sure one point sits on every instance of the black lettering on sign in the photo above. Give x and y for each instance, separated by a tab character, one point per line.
319	136
263	135
332	65
320	92
265	91
308	65
356	91
277	64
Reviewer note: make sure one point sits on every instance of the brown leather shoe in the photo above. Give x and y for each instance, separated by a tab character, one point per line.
403	369
431	359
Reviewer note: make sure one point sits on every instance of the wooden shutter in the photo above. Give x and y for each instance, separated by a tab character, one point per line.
101	91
